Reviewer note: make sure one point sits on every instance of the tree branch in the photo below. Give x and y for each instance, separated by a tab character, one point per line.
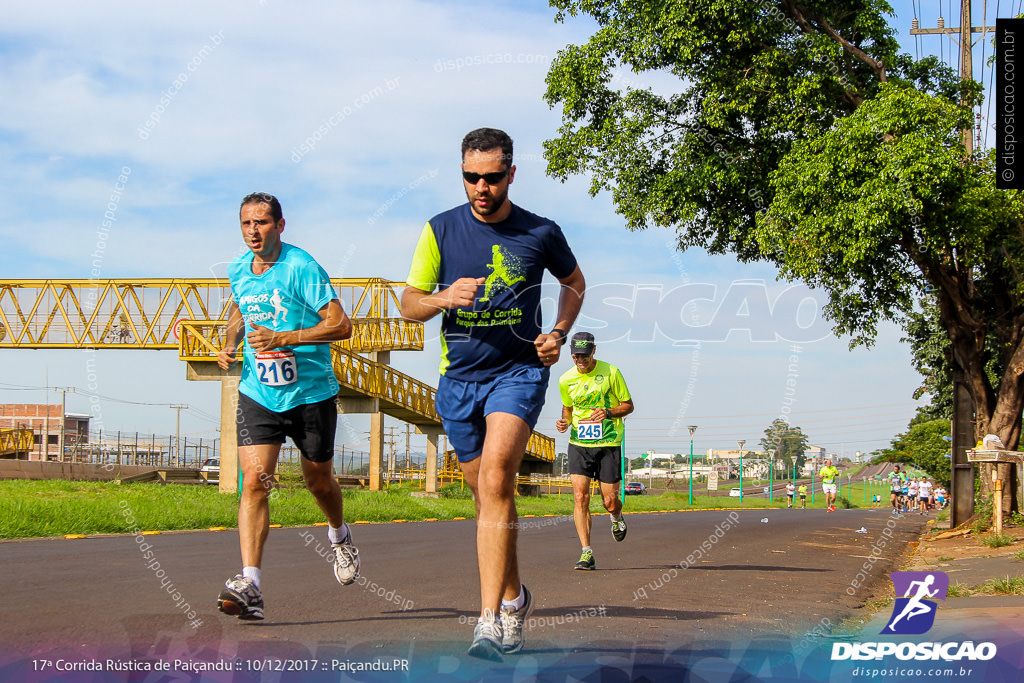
798	13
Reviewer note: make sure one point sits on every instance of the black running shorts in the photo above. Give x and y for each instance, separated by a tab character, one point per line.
311	427
603	463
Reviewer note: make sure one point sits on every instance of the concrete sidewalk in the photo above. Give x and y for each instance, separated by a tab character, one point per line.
969	563
978	618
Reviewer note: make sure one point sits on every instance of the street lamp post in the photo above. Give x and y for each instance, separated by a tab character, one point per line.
740	442
771	475
692	429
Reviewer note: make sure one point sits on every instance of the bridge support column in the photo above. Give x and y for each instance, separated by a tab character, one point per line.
348	405
527	467
228	477
432	434
198	370
377	432
376	451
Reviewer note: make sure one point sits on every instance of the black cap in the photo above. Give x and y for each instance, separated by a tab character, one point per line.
582	343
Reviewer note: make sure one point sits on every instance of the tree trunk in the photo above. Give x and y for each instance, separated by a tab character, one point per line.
988	472
995	411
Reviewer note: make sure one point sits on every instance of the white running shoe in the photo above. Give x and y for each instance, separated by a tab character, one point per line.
487	639
346	561
512	623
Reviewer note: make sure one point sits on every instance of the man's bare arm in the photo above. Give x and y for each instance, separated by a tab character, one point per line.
334	326
421	306
235	330
570	301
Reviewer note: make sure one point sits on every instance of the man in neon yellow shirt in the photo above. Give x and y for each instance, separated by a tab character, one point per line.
594	401
803	496
828	484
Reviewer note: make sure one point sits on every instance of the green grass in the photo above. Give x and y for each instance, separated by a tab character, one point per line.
997	540
958	590
1019	555
945	559
57	508
1009	585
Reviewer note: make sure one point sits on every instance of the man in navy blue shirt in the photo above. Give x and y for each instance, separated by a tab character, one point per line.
480	265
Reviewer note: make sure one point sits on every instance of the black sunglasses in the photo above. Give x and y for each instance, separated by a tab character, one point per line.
489	178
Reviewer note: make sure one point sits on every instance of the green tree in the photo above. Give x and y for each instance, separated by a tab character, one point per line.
789	444
924	447
561	463
798	134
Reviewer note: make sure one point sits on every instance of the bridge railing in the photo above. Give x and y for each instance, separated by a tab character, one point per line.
146	313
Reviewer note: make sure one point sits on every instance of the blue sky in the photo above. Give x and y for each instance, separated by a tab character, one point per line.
380	94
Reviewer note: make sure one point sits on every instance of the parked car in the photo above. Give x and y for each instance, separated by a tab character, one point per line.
635	488
211	465
734	493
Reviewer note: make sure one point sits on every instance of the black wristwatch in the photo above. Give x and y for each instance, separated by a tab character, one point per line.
560	331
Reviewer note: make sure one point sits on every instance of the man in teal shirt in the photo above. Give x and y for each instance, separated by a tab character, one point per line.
594	401
284	307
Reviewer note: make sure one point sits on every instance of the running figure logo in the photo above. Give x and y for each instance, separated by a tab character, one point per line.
275	301
506	270
913	614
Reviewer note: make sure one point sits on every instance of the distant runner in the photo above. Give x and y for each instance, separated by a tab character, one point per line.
594	401
896	489
803	496
912	502
924	495
828	484
790	491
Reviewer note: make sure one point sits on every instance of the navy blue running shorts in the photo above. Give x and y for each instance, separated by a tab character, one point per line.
463	406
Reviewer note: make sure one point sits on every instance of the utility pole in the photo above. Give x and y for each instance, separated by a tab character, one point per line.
391	451
46	418
962	480
63	420
965	31
408	454
177	429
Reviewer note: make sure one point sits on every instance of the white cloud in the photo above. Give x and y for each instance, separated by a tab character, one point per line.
403	81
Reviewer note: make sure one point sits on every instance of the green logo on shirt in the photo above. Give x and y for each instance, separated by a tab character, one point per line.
506	270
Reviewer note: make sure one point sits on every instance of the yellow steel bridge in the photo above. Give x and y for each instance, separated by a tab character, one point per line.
190	315
15	441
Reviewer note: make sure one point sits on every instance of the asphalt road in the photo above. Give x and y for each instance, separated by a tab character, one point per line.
744	580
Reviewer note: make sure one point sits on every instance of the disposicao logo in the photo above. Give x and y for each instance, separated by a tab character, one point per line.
914	614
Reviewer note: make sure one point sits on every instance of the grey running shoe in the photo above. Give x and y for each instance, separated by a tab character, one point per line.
619	528
586	560
241	598
487	639
512	623
346	561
